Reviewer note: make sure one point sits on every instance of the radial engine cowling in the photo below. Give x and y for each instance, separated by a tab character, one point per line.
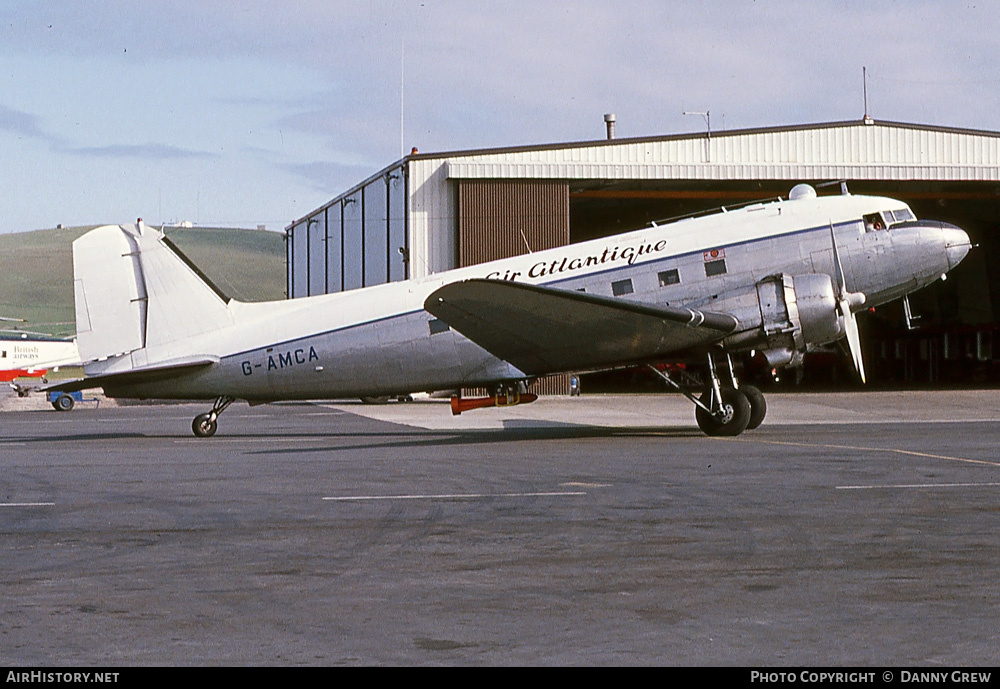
797	312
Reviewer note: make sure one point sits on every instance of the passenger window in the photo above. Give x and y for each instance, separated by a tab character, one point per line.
713	268
621	288
669	277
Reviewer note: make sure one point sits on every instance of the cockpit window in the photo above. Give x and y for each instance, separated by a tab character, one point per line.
873	222
886	219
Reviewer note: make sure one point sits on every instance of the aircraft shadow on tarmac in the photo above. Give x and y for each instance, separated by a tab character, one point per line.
417	439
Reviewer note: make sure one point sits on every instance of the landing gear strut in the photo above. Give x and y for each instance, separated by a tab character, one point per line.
205	425
722	410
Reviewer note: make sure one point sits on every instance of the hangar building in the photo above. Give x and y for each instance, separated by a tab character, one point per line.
431	212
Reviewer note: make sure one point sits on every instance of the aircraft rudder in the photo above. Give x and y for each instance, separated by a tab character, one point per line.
109	295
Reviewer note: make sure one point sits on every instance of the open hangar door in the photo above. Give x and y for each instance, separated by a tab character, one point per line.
956	338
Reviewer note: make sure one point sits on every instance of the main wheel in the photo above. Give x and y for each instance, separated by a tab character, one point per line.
758	405
381	399
734	418
63	403
203	426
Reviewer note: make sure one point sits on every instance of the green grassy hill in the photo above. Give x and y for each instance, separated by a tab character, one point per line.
36	270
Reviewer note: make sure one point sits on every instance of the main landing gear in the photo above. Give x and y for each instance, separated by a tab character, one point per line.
722	410
205	425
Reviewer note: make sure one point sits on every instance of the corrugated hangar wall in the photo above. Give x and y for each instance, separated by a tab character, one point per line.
503	218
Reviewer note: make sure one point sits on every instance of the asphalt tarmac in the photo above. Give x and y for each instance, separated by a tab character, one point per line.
850	529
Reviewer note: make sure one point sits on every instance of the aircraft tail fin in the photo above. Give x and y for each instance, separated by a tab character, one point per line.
137	295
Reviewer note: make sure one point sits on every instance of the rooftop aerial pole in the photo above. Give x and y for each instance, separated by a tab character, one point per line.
402	81
864	89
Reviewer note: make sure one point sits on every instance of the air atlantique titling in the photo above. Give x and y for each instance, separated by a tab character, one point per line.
629	254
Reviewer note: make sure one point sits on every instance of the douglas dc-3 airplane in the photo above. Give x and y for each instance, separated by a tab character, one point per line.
776	277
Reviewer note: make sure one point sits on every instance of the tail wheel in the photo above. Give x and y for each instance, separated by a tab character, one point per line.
758	406
204	426
732	416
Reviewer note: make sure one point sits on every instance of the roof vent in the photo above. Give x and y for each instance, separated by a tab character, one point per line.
609	120
801	191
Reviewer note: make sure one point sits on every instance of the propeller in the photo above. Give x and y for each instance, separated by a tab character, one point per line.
846	303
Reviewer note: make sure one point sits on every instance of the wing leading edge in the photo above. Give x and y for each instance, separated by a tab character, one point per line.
545	330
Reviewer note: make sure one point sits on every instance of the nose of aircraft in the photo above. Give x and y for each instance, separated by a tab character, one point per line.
956	244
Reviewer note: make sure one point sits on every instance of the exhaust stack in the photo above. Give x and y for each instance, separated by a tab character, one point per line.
609	121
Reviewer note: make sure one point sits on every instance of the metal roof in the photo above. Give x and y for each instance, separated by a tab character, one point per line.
861	149
723	133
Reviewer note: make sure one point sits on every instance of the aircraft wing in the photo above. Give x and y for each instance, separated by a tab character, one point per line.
544	330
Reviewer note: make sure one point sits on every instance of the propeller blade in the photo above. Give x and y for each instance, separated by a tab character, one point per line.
853	337
837	265
846	303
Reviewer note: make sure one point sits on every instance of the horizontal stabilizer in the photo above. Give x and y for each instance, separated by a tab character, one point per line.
148	374
544	330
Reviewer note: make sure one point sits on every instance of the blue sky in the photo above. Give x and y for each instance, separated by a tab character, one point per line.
253	112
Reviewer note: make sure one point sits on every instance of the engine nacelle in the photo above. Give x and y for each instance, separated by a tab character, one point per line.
797	312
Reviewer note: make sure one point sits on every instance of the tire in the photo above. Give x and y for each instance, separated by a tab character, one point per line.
758	405
203	426
382	399
63	403
736	420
